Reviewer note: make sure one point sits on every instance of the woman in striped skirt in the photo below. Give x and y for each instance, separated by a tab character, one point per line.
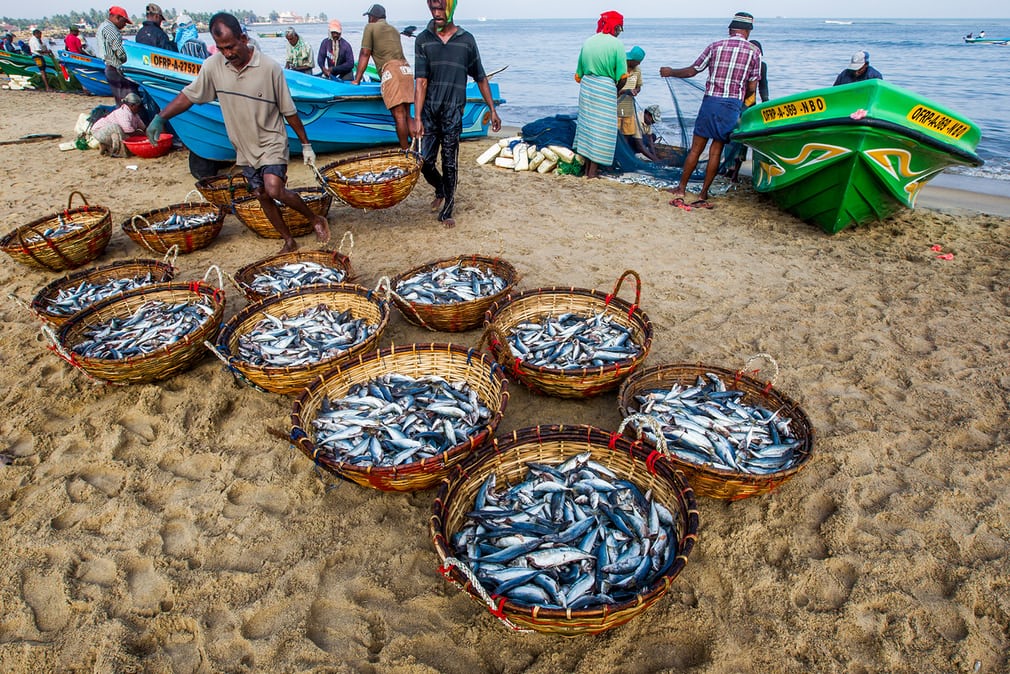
601	71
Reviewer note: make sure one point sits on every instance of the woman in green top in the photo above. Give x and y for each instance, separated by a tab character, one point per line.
601	72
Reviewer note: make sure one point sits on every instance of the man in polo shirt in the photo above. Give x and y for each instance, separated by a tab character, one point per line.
734	69
255	101
444	55
110	44
382	42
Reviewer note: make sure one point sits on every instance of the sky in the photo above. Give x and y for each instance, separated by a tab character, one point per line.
516	9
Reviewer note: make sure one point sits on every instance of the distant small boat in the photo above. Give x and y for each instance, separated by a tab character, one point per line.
986	40
838	23
846	155
270	34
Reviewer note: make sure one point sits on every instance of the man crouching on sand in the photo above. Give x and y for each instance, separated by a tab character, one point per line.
255	101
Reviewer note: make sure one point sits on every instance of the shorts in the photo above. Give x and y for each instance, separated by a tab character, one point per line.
40	62
717	117
254	176
397	84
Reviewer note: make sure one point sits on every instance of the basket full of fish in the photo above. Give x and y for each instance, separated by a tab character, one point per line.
288	271
451	295
64	240
399	419
189	226
284	342
373	180
250	213
222	190
569	342
565	530
70	294
143	335
732	435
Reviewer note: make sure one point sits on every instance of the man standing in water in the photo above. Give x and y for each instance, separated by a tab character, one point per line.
255	101
444	55
734	69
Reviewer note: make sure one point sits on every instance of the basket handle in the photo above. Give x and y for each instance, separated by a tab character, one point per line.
174	252
392	293
27	307
241	287
60	351
140	232
231	368
70	199
764	356
220	280
639	419
190	193
446	569
27	250
638	286
348	236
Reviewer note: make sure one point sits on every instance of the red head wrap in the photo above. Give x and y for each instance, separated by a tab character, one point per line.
609	21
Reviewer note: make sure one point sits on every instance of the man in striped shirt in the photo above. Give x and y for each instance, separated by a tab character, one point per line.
110	42
734	69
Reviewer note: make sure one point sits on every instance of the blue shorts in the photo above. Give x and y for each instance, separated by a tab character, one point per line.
254	176
717	117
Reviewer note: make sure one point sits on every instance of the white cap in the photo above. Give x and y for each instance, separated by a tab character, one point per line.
859	59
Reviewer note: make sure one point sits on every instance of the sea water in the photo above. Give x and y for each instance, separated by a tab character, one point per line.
928	57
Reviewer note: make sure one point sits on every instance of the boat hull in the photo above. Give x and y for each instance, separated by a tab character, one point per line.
22	64
852	154
338	116
89	71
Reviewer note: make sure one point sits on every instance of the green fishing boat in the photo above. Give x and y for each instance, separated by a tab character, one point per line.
850	154
60	79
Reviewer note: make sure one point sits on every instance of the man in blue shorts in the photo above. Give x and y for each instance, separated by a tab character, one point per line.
734	69
255	101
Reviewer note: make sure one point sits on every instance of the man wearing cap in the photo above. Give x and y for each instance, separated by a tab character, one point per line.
627	119
255	102
151	33
336	58
859	70
734	69
381	41
299	55
444	56
73	43
110	44
644	140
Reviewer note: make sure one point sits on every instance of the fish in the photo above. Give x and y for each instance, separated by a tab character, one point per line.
63	226
448	285
372	177
70	300
572	341
315	334
708	423
154	325
279	278
177	222
566	536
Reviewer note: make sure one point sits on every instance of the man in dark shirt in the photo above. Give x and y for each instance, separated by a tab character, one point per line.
859	70
444	55
151	32
336	57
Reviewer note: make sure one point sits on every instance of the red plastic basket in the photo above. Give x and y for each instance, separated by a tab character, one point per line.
141	146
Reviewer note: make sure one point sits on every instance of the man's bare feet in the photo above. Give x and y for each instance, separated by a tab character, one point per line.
436	204
322	227
289	246
448	223
677	192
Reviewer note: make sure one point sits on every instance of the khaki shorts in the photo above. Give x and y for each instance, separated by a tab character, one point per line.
397	84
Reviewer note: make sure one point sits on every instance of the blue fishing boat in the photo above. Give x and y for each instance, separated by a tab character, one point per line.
89	70
337	115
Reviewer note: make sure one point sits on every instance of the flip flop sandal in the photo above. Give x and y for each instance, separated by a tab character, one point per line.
681	204
701	203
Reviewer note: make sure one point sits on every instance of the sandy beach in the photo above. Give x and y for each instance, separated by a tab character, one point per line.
166	528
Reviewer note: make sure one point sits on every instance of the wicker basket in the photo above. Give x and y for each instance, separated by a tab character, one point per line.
362	302
542	302
245	276
222	190
507	458
28	244
41	305
716	482
336	178
450	361
250	213
140	230
459	316
160	364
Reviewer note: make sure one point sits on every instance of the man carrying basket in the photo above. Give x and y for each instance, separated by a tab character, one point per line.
381	41
255	101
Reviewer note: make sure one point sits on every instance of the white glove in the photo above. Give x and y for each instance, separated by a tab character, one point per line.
308	155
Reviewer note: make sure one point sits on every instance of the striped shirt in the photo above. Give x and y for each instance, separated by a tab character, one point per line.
731	63
110	44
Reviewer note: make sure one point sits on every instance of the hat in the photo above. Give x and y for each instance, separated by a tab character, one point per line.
743	21
636	53
378	11
290	31
116	10
132	98
859	59
153	9
335	27
654	111
74	27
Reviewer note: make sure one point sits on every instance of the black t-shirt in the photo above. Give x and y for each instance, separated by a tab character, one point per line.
446	66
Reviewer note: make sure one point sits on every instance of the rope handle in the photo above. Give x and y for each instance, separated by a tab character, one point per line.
174	252
50	244
241	287
639	419
65	355
139	231
348	236
27	307
220	280
767	357
234	370
392	293
190	193
620	281
480	590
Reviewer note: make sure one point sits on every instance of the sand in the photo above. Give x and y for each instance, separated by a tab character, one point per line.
165	527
